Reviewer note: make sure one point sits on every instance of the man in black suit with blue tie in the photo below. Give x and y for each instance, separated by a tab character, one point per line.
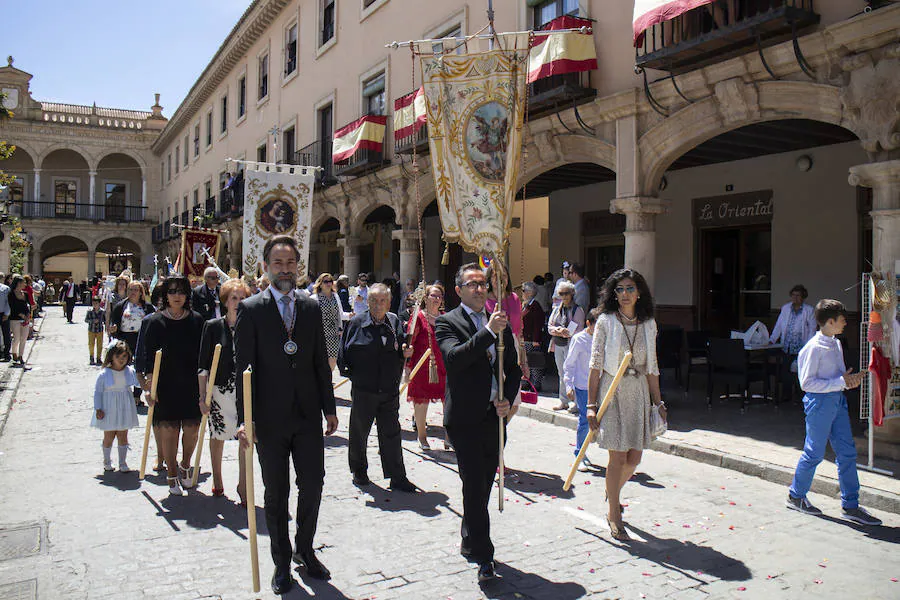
279	333
474	405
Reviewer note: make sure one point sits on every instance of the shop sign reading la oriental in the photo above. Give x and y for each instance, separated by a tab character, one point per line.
734	209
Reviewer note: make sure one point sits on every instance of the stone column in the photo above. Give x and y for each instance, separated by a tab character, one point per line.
37	195
884	179
143	191
313	264
36	268
92	262
350	244
640	232
409	254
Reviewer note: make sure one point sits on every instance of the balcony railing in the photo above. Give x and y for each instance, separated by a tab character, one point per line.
167	230
79	211
317	154
721	30
231	203
559	91
210	206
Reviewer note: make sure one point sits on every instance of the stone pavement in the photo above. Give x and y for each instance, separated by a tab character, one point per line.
68	531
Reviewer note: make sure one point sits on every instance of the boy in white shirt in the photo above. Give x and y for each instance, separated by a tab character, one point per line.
575	377
824	377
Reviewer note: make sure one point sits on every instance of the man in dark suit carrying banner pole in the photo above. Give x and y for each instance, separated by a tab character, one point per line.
467	337
280	334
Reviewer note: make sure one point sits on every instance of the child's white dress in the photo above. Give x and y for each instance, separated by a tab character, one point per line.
113	394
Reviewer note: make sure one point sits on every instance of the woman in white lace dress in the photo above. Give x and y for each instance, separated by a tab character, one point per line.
626	325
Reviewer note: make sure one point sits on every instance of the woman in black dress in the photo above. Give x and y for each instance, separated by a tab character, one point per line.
19	319
332	315
176	330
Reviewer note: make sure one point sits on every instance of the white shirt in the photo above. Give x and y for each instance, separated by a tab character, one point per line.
492	351
578	362
277	295
820	365
360	306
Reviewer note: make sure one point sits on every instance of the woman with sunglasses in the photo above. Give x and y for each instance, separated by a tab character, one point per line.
626	325
430	382
565	321
332	315
176	330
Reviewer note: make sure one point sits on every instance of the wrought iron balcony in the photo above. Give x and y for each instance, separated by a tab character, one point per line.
557	92
417	141
79	211
721	30
209	206
317	154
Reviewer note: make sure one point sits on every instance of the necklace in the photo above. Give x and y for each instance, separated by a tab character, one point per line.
169	314
630	371
629	319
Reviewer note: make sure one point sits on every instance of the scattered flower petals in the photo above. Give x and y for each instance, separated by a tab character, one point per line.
894	579
579	508
645	574
686	526
823	566
742	589
817	581
591	570
587	483
731	527
733	503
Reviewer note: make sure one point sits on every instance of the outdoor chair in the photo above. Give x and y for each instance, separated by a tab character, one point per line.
729	365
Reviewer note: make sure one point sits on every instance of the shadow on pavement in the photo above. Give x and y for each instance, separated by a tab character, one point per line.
424	503
513	583
316	588
335	441
880	533
686	558
642	479
199	511
549	484
124	482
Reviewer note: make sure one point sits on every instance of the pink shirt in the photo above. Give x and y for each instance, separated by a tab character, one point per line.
513	309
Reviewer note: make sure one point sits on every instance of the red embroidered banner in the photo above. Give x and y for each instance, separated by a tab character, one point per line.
191	257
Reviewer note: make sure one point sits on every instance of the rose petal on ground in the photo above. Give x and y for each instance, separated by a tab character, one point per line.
817	581
742	589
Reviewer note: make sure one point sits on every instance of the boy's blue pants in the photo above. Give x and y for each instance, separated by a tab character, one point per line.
827	420
583	427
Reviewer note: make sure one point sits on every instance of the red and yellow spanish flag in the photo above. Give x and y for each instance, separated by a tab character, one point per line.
409	114
562	52
365	133
648	13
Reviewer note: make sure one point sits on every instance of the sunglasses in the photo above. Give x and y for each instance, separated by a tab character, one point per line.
622	290
176	292
328	281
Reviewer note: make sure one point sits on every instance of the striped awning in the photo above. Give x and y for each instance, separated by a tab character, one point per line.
648	13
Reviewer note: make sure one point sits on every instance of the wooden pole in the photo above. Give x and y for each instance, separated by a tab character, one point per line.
157	361
607	399
501	482
210	383
251	496
415	370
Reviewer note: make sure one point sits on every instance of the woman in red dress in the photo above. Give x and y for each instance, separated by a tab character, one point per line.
430	382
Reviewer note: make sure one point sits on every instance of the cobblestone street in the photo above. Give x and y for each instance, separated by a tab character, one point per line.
699	531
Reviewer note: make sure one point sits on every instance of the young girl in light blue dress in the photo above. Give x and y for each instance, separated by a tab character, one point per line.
114	409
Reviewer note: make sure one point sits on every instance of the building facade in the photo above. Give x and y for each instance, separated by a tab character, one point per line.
82	185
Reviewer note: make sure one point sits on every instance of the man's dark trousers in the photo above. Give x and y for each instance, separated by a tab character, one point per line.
383	408
70	308
307	450
7	338
477	457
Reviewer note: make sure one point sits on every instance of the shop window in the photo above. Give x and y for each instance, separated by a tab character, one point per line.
373	95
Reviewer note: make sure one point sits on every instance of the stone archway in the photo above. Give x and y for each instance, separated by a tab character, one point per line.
122	253
70	254
733	104
550	150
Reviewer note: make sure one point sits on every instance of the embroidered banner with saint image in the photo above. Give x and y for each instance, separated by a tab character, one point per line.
277	200
475	105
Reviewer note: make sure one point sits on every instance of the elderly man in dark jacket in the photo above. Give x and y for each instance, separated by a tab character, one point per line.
372	354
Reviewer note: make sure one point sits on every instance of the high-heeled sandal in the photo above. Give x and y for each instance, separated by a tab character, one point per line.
618	532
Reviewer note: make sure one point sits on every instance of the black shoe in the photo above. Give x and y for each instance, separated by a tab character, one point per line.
5	358
465	552
314	568
361	479
92	361
486	572
282	581
403	485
